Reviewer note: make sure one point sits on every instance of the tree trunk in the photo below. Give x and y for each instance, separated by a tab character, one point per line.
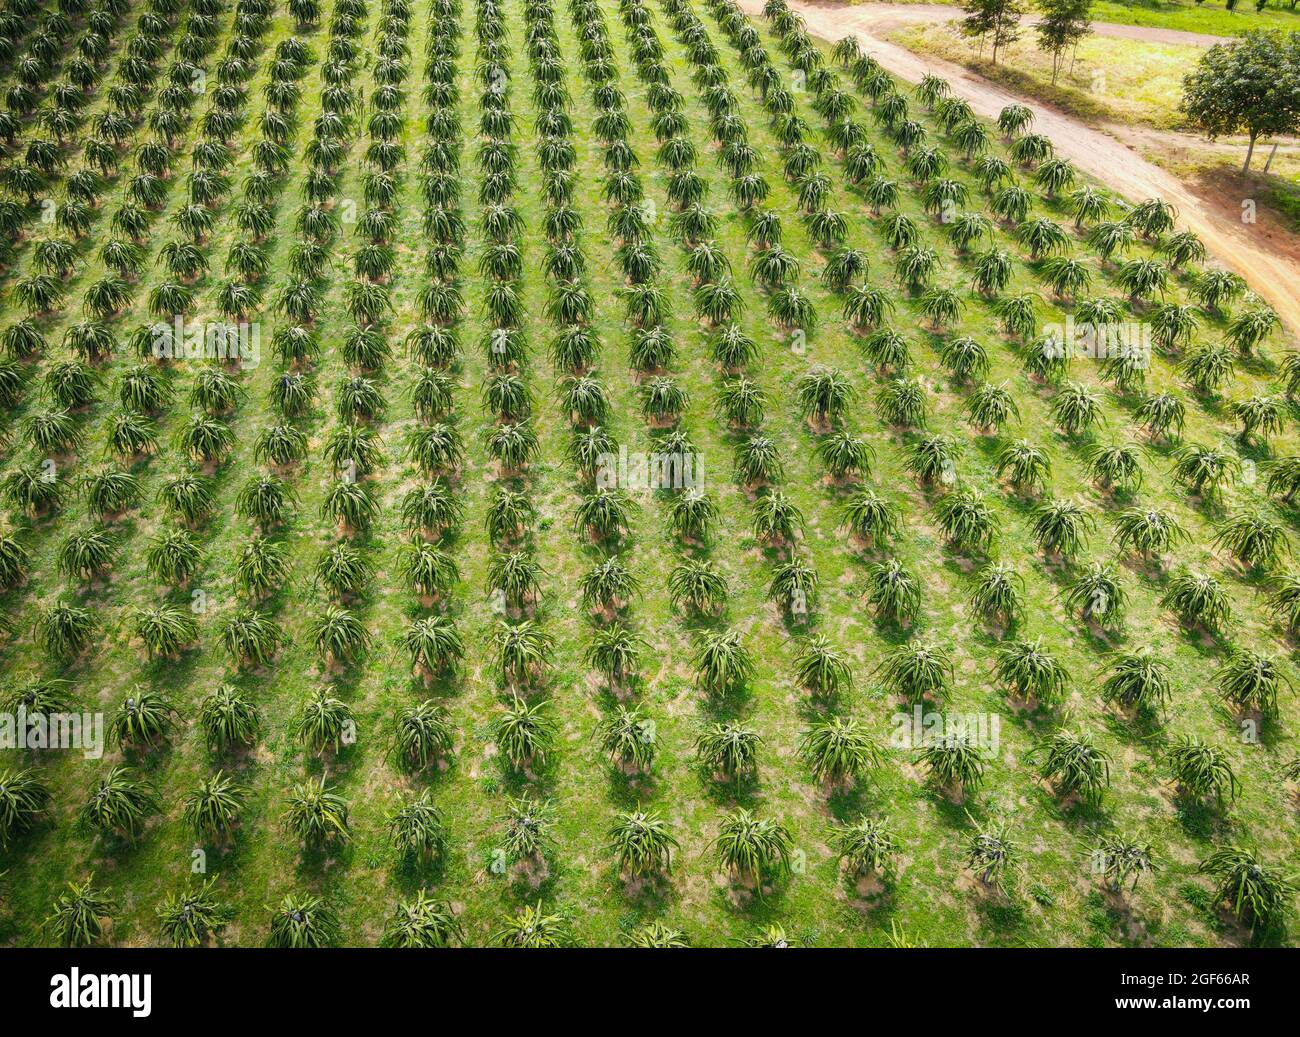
1271	155
1250	151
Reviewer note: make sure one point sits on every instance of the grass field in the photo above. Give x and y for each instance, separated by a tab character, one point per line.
359	304
1189	16
1109	79
1192	17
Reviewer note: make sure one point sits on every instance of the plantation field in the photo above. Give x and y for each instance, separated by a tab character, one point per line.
389	650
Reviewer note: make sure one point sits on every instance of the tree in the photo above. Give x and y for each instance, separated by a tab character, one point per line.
978	20
1250	86
1064	23
998	20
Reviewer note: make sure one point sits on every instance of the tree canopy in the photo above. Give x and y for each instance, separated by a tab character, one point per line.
999	20
1250	86
1063	24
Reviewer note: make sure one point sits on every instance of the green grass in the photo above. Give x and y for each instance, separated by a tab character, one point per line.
1057	902
1187	16
1117	80
1284	196
1210	18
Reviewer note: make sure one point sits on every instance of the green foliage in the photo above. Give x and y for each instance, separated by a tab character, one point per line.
1255	892
642	844
1197	598
532	927
823	393
212	809
228	719
1254	540
1260	416
627	736
1207	368
768	937
1201	770
1252	681
143	720
303	921
723	665
838	750
730	749
524	733
119	803
528	824
998	594
615	652
1120	859
324	722
417	830
1026	467
317	816
697	585
78	916
1148	531
966	521
1138	681
954	760
991	853
517	249
422	922
611	585
165	631
1284	600
917	670
1030	671
1074	764
1116	467
1236	88
87	554
193	916
339	635
657	935
752	849
174	557
23	798
822	668
251	638
1076	409
1097	595
64	630
1204	470
866	845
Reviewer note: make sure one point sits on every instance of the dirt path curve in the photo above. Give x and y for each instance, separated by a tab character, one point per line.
1269	261
883	18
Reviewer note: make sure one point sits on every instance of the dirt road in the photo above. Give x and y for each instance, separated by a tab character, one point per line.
1268	258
